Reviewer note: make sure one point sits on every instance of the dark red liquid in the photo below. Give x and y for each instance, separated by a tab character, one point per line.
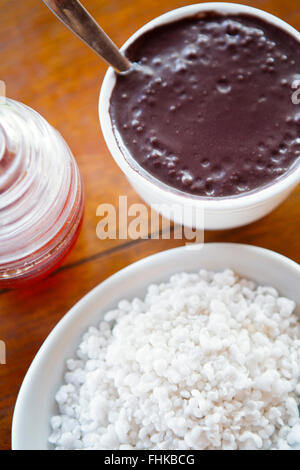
50	264
216	117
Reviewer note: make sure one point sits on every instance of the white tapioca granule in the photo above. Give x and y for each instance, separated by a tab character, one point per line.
205	361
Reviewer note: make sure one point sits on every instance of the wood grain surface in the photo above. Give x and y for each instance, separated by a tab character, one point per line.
44	66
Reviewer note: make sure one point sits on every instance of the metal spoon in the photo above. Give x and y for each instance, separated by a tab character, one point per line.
79	21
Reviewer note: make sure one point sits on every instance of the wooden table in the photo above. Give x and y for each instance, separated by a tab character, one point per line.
45	67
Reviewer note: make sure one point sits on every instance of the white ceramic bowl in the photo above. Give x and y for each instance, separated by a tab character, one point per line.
219	213
35	404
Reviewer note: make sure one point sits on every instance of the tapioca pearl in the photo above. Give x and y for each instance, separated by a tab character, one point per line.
172	172
171	161
198	183
245	42
154	141
142	99
260	166
256	32
295	149
282	148
272	170
150	91
262	41
262	99
155	154
186	178
289	119
209	188
259	157
221	43
278	171
205	163
241	187
232	29
270	45
284	82
180	66
157	61
295	79
224	86
190	52
157	80
135	123
275	158
270	60
202	39
265	68
136	111
217	172
233	46
296	118
260	45
296	143
183	97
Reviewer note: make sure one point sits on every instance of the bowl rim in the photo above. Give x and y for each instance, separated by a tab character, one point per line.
77	313
138	174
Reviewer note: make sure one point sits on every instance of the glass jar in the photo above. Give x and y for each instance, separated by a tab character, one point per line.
41	196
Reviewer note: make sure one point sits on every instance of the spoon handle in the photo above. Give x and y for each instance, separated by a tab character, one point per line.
79	21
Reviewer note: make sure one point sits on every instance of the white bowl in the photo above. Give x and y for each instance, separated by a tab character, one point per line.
35	404
219	213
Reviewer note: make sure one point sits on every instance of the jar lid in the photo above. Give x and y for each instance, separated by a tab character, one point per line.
36	181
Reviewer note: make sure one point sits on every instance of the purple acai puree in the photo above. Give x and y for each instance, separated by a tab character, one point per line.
215	117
